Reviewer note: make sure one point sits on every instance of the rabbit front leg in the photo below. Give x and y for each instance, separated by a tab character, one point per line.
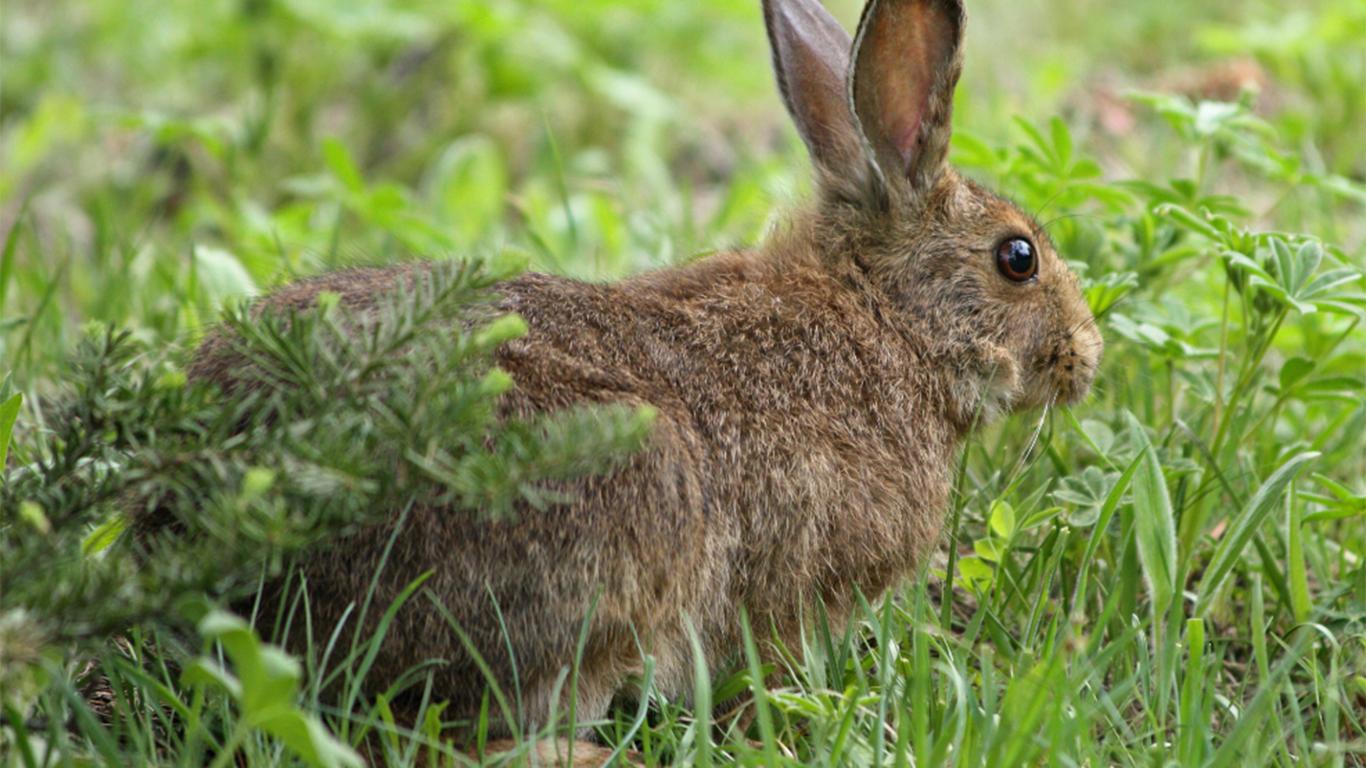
588	590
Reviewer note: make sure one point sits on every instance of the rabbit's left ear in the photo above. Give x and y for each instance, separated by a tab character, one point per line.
811	62
907	58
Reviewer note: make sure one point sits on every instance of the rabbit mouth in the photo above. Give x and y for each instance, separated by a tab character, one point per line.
1074	367
1064	375
1076	384
1049	387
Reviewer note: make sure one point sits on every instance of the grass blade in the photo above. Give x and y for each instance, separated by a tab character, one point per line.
1154	528
757	687
9	411
1245	525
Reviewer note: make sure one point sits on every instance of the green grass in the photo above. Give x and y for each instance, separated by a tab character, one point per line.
1169	573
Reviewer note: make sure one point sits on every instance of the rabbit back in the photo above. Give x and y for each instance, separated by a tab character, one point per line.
779	471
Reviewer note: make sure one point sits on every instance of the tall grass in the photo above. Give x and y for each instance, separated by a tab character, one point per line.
1170	573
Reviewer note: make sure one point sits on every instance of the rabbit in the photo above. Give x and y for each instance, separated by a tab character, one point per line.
811	394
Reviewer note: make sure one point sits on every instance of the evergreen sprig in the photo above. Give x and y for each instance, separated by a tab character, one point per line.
334	418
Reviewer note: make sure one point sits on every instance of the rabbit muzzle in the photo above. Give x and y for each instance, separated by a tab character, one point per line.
1074	362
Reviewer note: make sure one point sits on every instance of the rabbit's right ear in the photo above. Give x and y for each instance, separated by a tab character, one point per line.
907	59
811	61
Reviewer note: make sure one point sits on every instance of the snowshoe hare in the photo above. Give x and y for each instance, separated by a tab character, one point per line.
811	394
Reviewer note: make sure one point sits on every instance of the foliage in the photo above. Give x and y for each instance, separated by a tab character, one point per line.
1171	572
149	492
265	690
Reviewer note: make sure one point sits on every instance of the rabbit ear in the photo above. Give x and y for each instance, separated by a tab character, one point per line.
811	61
907	58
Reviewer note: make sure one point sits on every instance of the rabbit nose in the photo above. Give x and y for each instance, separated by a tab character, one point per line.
1082	360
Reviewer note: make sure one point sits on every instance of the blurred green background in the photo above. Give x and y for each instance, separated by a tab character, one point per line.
1202	165
160	157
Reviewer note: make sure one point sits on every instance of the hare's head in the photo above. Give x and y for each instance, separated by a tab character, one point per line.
974	276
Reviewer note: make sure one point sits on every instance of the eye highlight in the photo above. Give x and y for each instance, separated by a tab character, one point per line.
1017	259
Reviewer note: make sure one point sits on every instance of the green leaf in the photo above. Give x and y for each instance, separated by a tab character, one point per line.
496	382
1154	528
1002	519
1244	526
7	256
503	329
218	623
256	482
468	185
1297	574
307	738
1193	694
989	549
1340	492
1188	220
221	275
104	535
270	679
339	161
1062	142
971	151
1294	369
1106	292
33	514
265	687
975	572
9	412
204	671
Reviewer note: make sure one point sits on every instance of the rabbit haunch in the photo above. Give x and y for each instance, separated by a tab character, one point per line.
810	393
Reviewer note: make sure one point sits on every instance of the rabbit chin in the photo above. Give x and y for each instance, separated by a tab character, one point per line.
1064	384
1066	378
986	393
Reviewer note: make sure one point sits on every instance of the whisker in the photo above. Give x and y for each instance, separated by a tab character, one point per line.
1082	323
1036	214
1070	215
1038	429
1026	456
1118	302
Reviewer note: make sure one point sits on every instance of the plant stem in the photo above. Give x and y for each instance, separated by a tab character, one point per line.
239	735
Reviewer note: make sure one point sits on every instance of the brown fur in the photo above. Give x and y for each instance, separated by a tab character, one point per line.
811	396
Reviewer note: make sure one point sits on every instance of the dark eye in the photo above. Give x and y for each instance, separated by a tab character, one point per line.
1016	259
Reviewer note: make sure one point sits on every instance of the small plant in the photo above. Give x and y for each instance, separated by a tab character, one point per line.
265	690
333	425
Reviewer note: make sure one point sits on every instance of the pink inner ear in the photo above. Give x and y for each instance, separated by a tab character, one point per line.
905	141
906	50
903	110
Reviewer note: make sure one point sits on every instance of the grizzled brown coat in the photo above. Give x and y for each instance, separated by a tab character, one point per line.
811	394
